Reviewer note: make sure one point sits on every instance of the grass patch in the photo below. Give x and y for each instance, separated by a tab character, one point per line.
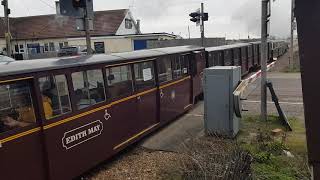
270	162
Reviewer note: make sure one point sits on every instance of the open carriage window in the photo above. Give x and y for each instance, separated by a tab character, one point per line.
88	87
55	95
16	106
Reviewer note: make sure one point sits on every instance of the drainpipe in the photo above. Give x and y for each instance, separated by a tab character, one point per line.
138	26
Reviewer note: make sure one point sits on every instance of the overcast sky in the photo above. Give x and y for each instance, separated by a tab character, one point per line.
231	18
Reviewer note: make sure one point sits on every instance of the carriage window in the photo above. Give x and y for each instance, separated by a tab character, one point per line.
88	87
16	106
236	53
55	95
119	81
176	66
165	70
184	65
144	74
180	67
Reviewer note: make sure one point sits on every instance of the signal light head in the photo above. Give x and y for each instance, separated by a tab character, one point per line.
194	14
194	19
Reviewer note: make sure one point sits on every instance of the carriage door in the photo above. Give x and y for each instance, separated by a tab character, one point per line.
175	86
21	147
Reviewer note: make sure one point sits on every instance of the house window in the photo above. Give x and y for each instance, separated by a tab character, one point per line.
46	47
51	46
65	44
16	48
60	45
99	47
128	24
21	46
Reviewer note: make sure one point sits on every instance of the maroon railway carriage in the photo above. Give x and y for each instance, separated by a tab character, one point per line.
231	55
61	117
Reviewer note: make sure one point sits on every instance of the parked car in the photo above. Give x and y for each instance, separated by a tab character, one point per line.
6	59
72	51
68	51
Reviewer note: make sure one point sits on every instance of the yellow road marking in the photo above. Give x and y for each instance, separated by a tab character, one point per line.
134	137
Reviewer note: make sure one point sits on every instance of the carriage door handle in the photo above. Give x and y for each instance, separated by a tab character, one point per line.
161	94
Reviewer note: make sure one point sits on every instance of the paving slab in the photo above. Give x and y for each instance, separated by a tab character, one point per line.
172	136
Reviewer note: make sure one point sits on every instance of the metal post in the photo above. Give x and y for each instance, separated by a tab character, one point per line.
264	52
7	22
202	26
87	29
291	60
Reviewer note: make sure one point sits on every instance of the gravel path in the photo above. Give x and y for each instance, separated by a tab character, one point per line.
136	164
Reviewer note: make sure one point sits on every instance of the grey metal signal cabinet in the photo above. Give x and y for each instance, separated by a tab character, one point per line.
219	84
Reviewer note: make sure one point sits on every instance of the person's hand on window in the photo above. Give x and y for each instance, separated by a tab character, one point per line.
10	122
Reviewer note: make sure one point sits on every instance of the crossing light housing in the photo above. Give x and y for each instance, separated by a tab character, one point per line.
195	17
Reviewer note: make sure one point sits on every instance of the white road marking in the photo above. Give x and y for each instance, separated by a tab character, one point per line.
289	103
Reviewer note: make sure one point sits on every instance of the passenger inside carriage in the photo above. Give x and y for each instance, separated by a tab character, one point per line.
16	108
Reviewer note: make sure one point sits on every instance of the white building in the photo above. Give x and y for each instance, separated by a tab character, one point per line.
43	36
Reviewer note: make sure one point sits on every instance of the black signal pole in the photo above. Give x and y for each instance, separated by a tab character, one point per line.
200	17
87	30
202	26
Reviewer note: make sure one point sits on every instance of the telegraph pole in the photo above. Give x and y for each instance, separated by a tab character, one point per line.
87	30
264	52
291	61
7	24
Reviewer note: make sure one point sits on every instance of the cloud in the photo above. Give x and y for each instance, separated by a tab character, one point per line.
249	15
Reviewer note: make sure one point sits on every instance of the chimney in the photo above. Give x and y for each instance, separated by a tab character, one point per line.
138	26
58	8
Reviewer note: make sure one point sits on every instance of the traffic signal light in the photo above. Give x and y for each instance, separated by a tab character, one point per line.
195	16
79	3
205	17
